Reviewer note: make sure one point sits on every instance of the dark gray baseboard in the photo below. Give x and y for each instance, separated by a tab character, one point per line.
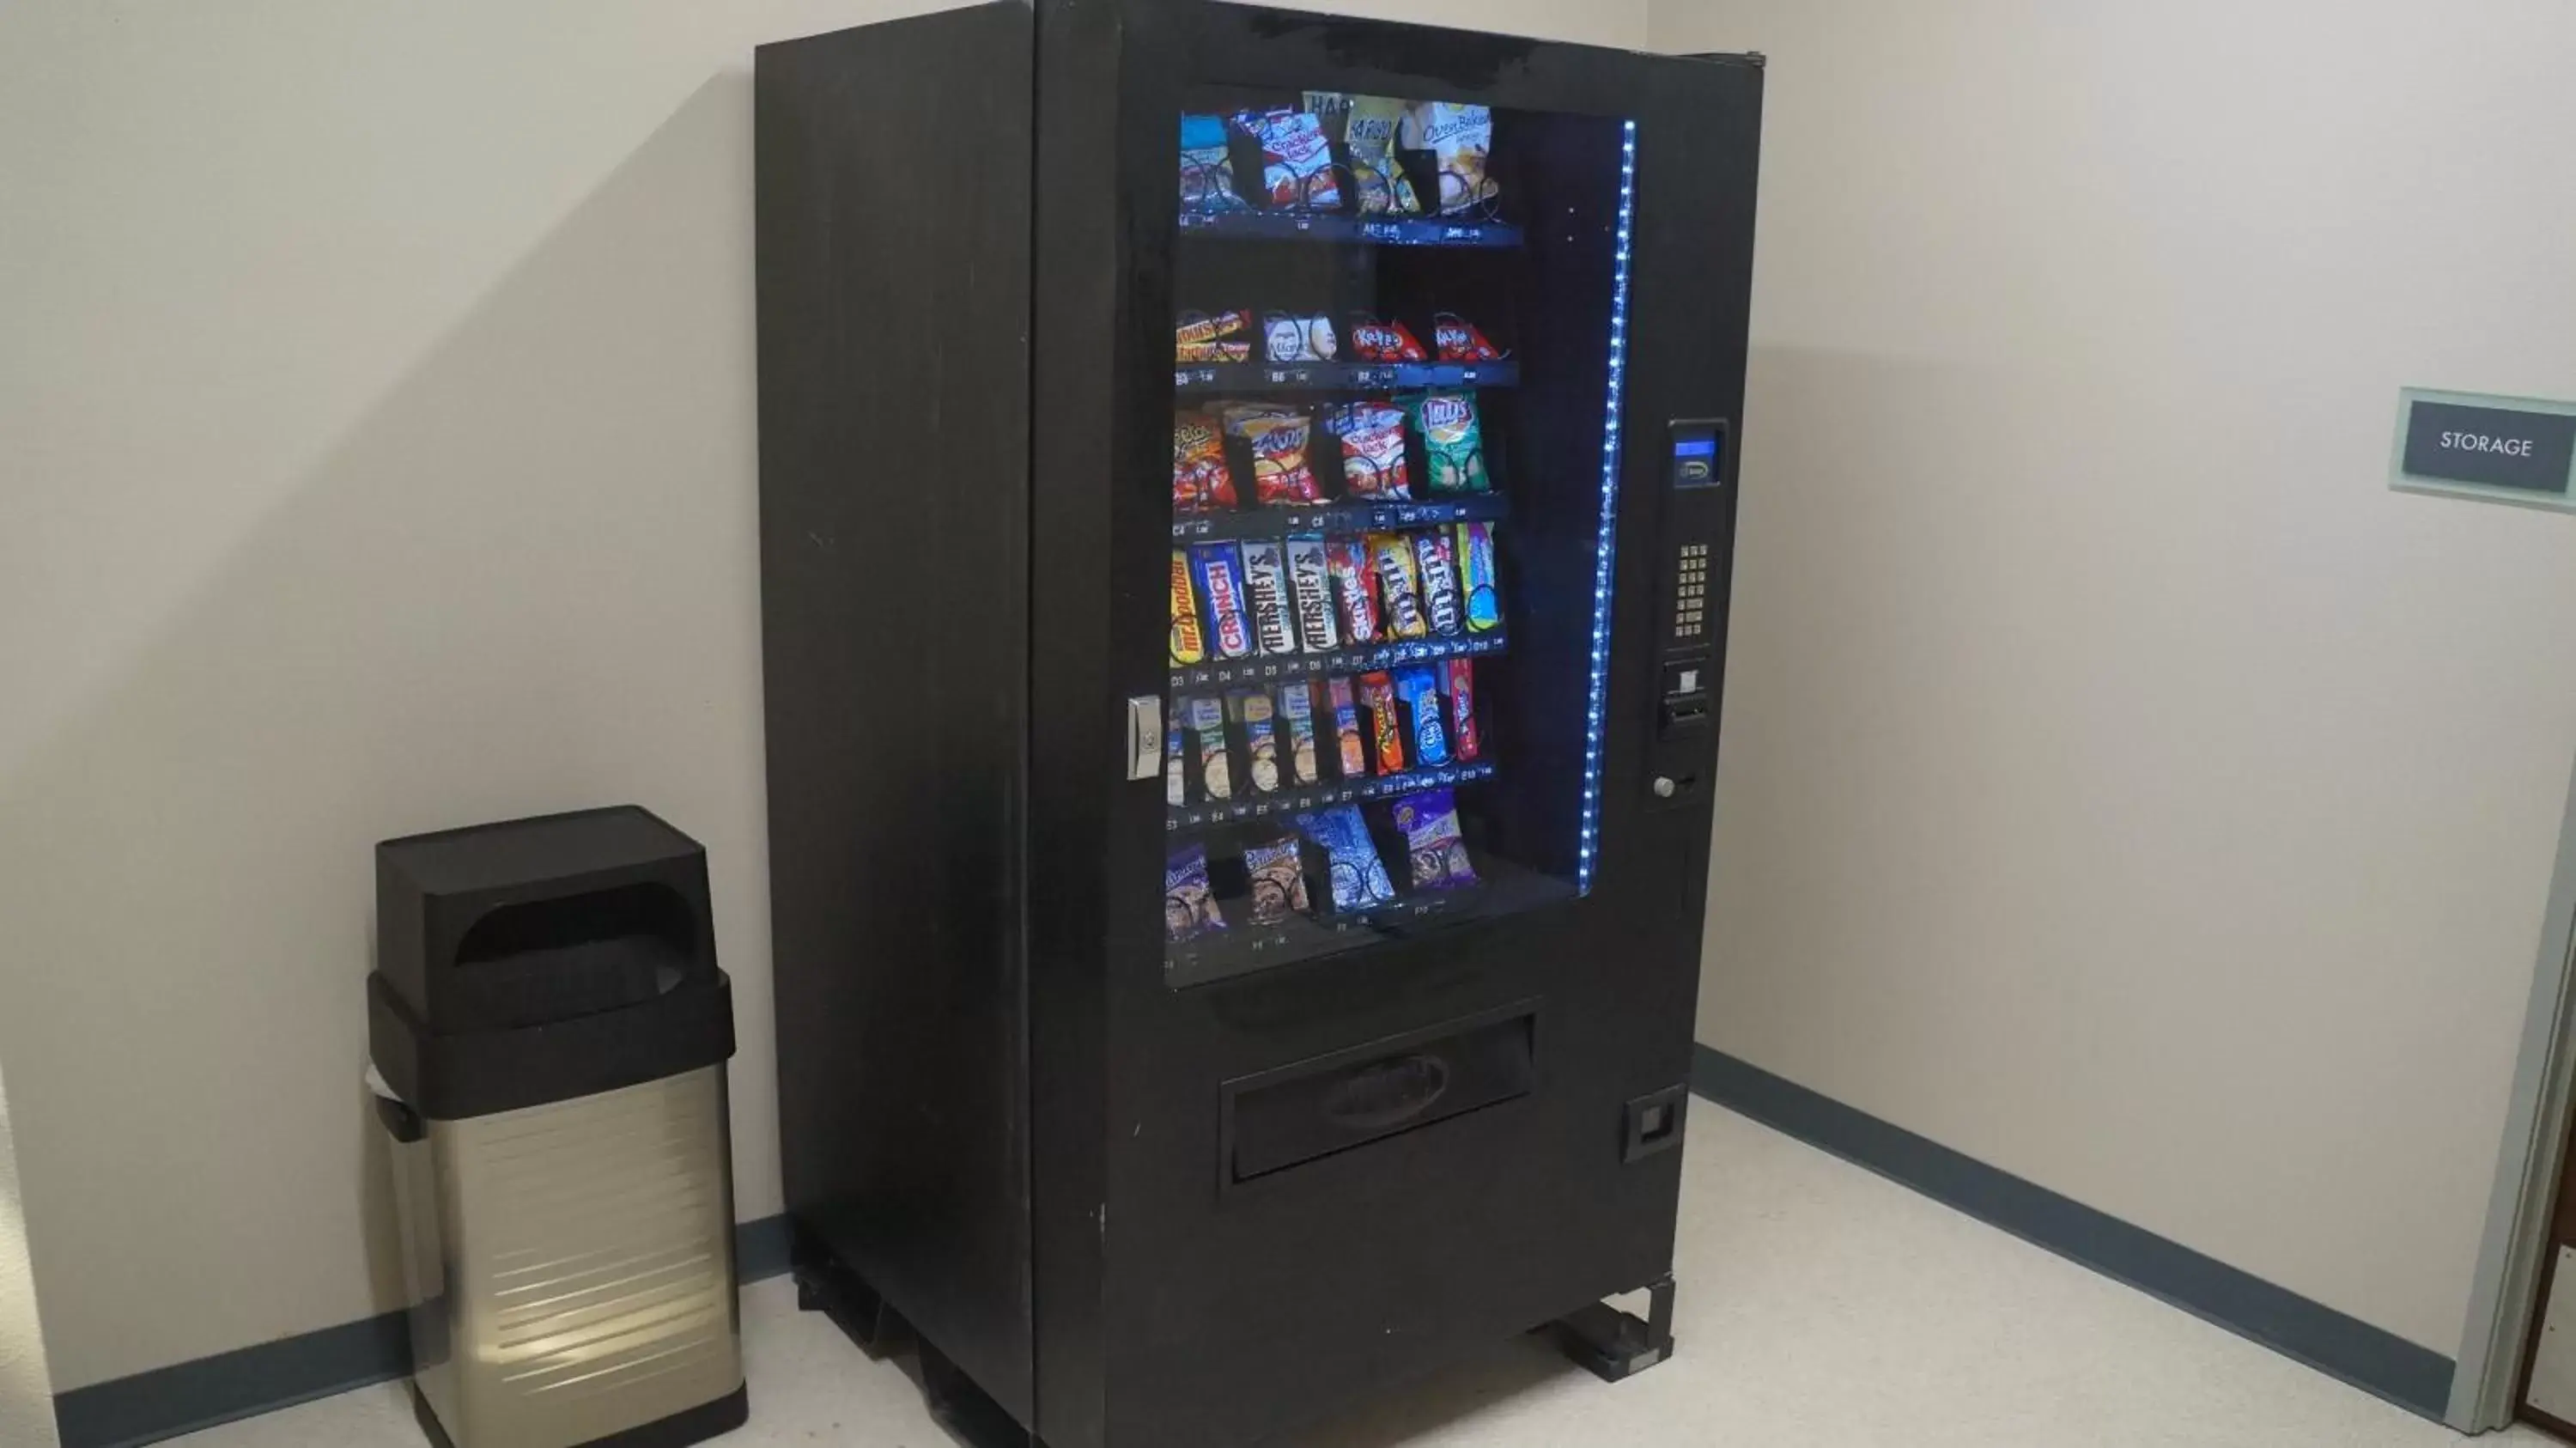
247	1382
2377	1361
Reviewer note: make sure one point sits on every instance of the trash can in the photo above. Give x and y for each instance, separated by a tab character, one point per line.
548	1032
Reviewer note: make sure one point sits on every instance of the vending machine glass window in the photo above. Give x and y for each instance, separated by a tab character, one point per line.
1398	366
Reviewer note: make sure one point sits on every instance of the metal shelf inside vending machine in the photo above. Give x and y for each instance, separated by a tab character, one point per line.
1269	668
1252	225
1291	801
1340	376
1361	517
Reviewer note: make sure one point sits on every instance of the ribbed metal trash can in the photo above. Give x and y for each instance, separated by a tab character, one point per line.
549	1029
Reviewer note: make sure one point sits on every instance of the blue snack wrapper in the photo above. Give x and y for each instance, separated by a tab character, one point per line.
1189	905
1350	857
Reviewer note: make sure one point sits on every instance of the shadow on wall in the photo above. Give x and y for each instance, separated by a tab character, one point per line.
525	581
26	1394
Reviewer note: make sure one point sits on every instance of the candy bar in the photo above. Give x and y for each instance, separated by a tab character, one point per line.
1451	440
1372	438
1310	584
1265	585
1429	821
1350	857
1189	904
1189	645
1296	160
1417	686
1201	482
1386	732
1376	341
1225	337
1354	590
1277	437
1278	874
1476	577
1440	601
1366	125
1297	706
1461	141
1251	709
1216	769
1346	729
1399	585
1207	166
1459	341
1465	739
1219	567
1287	337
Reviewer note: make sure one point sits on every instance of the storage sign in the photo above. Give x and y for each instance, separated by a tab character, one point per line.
2508	449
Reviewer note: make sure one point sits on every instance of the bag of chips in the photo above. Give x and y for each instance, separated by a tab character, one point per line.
1225	337
1389	341
1373	451
1430	824
1461	141
1189	904
1366	126
1459	341
1278	876
1452	442
1287	337
1350	857
1278	438
1201	482
1207	166
1296	159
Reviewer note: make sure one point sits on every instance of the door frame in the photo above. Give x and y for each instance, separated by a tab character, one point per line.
2486	1384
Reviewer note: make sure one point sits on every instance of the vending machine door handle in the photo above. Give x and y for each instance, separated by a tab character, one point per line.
1144	736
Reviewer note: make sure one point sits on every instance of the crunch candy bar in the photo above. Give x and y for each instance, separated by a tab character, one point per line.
1219	567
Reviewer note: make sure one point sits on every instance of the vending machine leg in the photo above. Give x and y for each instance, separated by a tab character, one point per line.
1616	1344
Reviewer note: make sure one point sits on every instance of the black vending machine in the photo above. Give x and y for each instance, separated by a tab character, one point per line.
1246	508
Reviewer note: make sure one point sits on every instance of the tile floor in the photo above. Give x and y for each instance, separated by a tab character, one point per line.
1821	1307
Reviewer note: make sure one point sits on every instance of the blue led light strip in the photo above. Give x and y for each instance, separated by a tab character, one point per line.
1605	551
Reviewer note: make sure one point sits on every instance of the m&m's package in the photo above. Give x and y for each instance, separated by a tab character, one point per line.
1442	606
1399	585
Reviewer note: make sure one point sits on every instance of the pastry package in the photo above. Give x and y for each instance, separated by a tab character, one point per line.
1429	821
1189	904
1252	710
1348	740
1277	870
1351	862
1205	715
1297	708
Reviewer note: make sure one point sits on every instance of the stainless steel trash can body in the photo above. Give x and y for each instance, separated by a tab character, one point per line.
561	1149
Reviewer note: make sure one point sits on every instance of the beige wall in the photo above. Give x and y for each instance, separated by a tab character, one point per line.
378	442
2121	784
